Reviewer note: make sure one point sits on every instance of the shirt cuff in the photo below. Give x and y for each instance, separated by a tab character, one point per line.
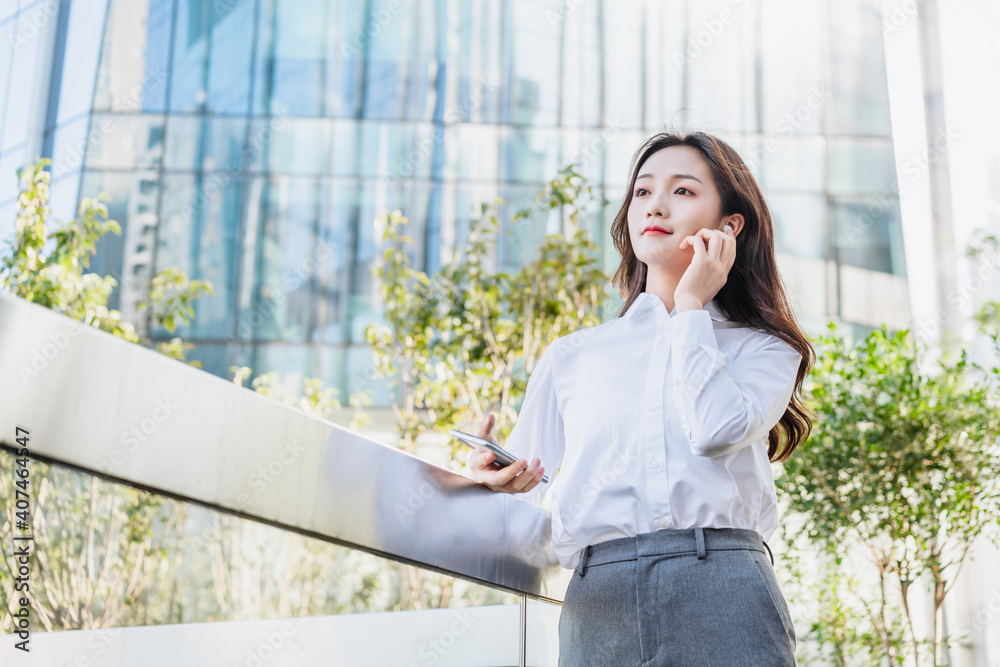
693	327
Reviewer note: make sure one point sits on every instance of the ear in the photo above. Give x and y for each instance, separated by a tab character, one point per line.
735	221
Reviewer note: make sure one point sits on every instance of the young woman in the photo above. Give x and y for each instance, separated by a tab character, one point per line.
663	422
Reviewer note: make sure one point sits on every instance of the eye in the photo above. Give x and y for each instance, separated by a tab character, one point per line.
639	191
685	190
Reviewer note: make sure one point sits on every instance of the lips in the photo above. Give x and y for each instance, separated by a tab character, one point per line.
654	230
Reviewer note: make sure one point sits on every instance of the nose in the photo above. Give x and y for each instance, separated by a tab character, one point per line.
656	207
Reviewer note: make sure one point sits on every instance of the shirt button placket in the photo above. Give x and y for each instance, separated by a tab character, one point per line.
659	503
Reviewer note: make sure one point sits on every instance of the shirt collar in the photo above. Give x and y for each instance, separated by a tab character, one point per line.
712	307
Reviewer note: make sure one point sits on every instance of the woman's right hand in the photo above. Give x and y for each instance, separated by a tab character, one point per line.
518	477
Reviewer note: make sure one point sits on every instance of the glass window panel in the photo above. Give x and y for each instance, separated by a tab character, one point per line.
346	136
542	640
529	155
290	58
719	61
345	51
399	150
6	56
158	25
794	91
784	162
618	156
387	58
64	195
368	206
292	146
664	64
520	242
357	364
124	77
127	258
284	304
586	150
798	224
291	361
480	164
334	249
859	101
24	75
68	146
201	566
473	68
188	71
230	56
535	96
10	162
199	220
120	141
205	143
866	234
624	93
424	66
861	166
589	62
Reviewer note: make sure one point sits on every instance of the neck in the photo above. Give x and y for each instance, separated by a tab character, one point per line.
662	284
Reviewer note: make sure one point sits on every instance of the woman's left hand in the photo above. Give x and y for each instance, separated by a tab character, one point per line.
714	256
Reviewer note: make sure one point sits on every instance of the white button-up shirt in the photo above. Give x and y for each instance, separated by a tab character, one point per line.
655	420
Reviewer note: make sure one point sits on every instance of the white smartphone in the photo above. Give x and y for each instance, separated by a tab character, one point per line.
503	457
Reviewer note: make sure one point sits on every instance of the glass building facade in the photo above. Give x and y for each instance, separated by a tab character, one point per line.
252	143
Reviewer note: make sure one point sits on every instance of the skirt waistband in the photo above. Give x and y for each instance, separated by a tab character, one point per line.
672	541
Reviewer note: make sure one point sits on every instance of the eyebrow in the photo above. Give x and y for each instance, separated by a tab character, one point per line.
676	176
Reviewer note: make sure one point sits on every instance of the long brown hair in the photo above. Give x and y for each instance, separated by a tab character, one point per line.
754	294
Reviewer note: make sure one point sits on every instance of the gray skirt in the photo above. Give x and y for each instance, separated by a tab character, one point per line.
700	596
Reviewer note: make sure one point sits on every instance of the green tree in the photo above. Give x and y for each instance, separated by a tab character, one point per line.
903	463
100	546
462	342
59	278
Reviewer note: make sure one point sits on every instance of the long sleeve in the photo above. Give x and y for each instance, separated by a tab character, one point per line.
725	407
539	430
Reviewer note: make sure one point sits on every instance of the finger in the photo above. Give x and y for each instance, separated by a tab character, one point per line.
485	426
715	240
525	478
503	477
689	241
699	245
484	459
535	480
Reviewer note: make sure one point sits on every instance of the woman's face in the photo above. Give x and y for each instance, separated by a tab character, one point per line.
674	192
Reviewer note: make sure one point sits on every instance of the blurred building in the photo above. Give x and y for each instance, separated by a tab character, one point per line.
252	142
